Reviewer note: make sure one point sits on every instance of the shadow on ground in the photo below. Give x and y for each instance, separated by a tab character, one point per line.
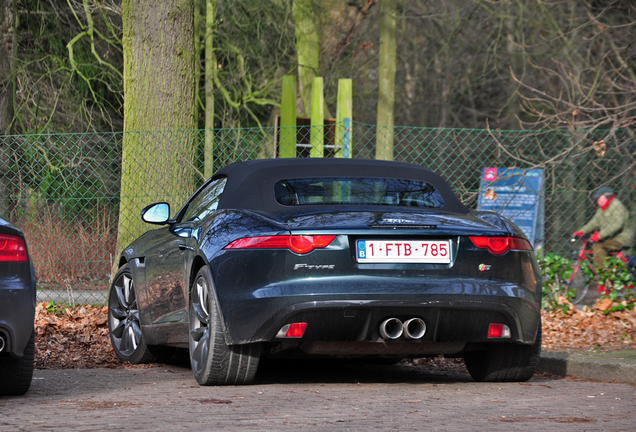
341	371
307	371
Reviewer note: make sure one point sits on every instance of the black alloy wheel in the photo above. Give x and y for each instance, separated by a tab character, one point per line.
123	320
213	361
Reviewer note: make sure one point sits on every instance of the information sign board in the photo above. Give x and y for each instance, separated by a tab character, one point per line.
516	194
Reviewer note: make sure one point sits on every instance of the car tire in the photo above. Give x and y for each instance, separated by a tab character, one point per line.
16	374
504	362
214	362
123	321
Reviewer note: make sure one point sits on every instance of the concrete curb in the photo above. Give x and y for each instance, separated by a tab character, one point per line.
614	366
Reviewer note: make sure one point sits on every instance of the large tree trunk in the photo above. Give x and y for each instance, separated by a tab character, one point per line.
159	86
307	48
386	74
7	61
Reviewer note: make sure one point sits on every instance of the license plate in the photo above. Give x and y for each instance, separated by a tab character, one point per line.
403	251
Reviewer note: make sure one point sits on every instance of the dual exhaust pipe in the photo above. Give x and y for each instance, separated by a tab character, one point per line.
411	329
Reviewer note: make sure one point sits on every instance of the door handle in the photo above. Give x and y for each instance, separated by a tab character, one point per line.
185	247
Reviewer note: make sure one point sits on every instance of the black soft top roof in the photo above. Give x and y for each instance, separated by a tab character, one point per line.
251	183
7	227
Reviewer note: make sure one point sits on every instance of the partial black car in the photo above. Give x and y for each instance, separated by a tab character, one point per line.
357	259
17	312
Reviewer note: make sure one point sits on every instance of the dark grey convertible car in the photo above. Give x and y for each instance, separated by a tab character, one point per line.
342	258
17	311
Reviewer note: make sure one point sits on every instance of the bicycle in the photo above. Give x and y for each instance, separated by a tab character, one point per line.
584	274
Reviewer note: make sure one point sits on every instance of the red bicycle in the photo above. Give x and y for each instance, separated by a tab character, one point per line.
583	279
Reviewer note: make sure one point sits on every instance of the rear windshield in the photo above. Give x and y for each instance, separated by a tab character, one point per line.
357	191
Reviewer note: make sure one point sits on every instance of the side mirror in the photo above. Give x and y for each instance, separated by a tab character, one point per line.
158	213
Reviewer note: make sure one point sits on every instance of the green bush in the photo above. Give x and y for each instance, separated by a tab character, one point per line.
613	280
555	271
616	281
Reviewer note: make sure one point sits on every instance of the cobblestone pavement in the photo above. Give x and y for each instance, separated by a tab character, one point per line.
313	396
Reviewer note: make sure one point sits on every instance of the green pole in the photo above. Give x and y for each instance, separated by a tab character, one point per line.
343	118
386	81
287	130
317	118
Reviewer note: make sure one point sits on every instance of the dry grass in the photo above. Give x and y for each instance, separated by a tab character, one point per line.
69	253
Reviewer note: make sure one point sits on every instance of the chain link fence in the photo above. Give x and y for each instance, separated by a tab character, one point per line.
65	190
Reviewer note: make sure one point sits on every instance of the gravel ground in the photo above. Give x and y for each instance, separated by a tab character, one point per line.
313	396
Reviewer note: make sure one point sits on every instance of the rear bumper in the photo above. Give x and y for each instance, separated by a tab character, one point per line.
17	307
458	312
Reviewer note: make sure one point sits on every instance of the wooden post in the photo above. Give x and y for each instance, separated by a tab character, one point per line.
317	119
343	119
287	129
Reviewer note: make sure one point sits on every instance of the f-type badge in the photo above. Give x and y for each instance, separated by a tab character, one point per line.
315	266
484	267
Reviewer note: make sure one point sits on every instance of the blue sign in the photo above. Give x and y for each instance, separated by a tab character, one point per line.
516	194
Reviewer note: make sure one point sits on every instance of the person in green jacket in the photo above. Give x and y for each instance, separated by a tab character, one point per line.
611	225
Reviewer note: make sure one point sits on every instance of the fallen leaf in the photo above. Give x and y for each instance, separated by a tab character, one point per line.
603	304
599	147
78	336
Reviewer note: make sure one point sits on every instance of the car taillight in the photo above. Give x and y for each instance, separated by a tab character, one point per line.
296	243
295	330
12	249
500	245
498	331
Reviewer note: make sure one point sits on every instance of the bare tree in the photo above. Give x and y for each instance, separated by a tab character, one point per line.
68	66
588	88
7	61
590	85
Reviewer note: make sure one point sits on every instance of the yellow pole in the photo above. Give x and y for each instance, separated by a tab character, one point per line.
287	130
317	119
343	118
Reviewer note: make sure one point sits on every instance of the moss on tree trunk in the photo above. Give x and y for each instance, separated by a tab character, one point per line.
307	49
159	109
386	74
